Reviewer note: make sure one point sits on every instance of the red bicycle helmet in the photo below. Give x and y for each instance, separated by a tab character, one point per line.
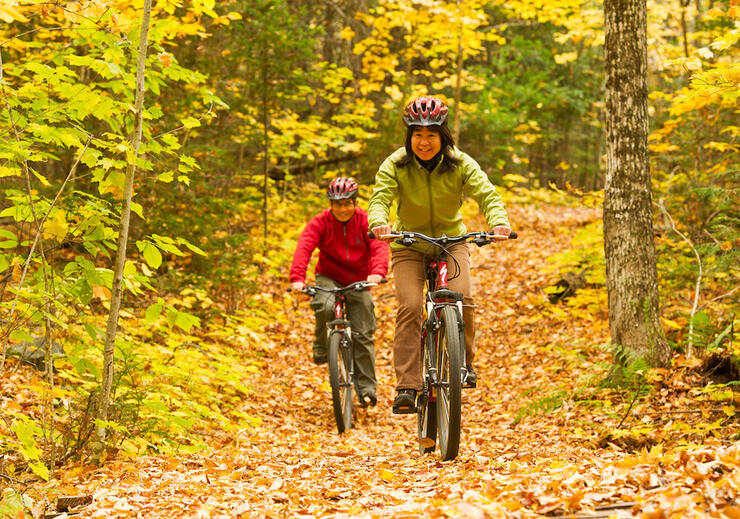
425	111
341	188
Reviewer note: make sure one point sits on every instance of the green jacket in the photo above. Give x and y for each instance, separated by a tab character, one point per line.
430	203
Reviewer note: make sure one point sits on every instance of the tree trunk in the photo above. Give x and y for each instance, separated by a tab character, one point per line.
115	303
631	277
266	137
458	81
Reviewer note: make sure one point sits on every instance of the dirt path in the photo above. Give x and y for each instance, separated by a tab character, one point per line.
295	464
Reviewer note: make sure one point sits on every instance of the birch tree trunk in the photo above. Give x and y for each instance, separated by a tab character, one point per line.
631	276
266	138
458	81
115	303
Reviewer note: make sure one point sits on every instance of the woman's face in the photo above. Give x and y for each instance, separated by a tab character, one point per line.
425	143
343	210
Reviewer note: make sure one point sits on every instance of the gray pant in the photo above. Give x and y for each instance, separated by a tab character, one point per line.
409	274
361	315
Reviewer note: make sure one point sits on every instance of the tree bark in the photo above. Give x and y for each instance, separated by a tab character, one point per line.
115	303
631	276
266	137
458	81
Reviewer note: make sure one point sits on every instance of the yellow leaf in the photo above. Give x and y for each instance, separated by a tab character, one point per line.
101	292
562	59
386	475
513	505
8	172
692	64
9	14
729	410
350	147
671	324
715	12
347	33
56	227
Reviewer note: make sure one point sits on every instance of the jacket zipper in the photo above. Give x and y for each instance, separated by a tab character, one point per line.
346	247
431	202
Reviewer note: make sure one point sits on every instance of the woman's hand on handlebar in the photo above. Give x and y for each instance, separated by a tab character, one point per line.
501	232
298	286
374	278
380	230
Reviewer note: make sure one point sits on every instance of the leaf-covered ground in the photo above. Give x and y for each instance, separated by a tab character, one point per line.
539	437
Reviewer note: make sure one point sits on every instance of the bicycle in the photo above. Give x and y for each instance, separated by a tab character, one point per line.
341	354
438	404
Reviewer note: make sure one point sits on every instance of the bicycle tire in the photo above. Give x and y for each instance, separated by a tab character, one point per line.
449	366
341	386
426	418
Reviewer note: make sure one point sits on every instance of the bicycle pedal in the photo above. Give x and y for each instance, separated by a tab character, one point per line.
404	410
470	385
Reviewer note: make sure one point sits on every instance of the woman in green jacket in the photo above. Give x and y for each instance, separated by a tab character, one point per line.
428	177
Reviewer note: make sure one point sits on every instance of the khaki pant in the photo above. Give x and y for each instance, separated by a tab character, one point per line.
409	275
361	315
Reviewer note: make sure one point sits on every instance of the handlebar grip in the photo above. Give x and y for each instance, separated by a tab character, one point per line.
370	235
513	235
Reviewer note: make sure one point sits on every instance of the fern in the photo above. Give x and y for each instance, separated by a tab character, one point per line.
542	405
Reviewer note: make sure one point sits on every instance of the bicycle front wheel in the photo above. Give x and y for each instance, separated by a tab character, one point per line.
339	378
449	367
426	418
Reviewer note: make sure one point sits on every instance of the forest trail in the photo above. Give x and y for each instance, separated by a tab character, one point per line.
294	464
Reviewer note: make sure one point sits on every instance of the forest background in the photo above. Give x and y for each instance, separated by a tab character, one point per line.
250	108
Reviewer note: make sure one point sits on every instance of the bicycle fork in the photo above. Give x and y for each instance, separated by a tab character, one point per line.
341	325
442	283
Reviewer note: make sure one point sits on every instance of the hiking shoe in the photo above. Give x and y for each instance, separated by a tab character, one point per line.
405	401
368	399
471	379
319	358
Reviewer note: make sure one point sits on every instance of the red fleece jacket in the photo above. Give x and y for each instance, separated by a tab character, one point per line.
346	254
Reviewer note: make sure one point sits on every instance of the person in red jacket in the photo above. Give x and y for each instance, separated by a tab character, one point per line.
346	255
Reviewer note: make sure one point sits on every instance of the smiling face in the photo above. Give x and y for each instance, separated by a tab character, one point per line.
425	143
343	210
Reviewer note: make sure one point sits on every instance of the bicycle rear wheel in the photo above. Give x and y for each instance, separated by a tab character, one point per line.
449	367
426	424
339	378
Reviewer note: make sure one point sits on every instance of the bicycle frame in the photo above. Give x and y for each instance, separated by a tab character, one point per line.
438	295
442	346
341	353
340	324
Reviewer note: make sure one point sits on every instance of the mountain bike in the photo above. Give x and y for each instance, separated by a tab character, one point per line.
341	354
442	344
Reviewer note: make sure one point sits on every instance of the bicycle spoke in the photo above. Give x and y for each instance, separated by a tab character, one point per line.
446	407
449	357
339	378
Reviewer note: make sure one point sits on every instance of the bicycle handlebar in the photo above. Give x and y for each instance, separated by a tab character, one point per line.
357	285
479	238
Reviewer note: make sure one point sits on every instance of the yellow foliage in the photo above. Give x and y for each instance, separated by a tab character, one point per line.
562	59
347	33
714	12
55	227
9	12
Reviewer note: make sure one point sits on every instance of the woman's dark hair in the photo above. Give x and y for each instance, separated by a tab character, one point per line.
449	161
